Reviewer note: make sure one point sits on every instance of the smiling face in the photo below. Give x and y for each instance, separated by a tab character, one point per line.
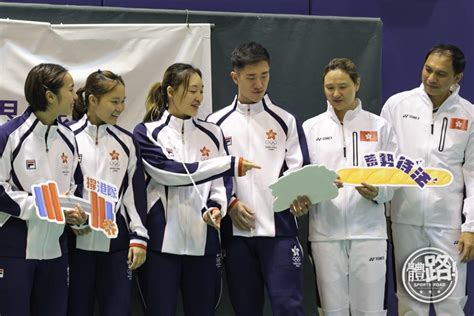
65	96
438	76
252	81
340	91
107	108
184	102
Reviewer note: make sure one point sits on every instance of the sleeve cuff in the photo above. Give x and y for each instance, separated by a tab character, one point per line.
138	243
233	201
240	167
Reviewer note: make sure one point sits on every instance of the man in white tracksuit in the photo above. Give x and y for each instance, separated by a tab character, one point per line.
433	123
262	248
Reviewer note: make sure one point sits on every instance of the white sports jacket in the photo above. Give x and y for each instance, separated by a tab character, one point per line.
108	152
336	145
272	138
175	209
444	139
33	153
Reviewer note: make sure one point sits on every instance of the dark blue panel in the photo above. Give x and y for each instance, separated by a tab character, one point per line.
70	2
260	6
411	28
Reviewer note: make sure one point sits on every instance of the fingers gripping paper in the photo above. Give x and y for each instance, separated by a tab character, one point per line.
317	182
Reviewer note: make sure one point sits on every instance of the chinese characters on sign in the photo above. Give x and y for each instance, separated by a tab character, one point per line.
412	168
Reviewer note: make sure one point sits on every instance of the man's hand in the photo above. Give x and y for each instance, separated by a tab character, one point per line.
466	246
136	257
368	191
213	217
77	216
300	205
242	216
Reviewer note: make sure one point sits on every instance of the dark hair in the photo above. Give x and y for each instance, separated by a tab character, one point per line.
344	64
42	78
248	54
157	100
452	51
97	84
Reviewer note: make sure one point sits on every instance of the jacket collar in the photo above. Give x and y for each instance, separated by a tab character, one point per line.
94	130
40	128
178	124
452	98
351	114
253	108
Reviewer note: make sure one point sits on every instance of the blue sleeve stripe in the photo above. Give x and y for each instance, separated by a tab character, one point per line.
303	143
139	187
154	155
135	236
9	206
157	130
15	180
228	184
10	126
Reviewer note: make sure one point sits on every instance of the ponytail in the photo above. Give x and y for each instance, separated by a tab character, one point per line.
80	105
155	102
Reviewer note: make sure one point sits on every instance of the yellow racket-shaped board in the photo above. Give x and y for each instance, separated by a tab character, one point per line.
391	176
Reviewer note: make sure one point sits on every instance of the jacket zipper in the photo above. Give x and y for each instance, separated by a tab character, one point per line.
248	150
185	217
343	140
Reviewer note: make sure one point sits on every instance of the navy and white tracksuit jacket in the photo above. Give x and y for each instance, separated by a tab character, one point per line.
109	153
272	138
174	221
33	153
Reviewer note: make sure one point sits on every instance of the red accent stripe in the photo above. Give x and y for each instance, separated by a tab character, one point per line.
53	189
101	211
137	245
95	211
231	205
241	162
47	201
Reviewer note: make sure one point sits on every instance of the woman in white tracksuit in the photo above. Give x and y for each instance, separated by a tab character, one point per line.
100	267
189	186
348	233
